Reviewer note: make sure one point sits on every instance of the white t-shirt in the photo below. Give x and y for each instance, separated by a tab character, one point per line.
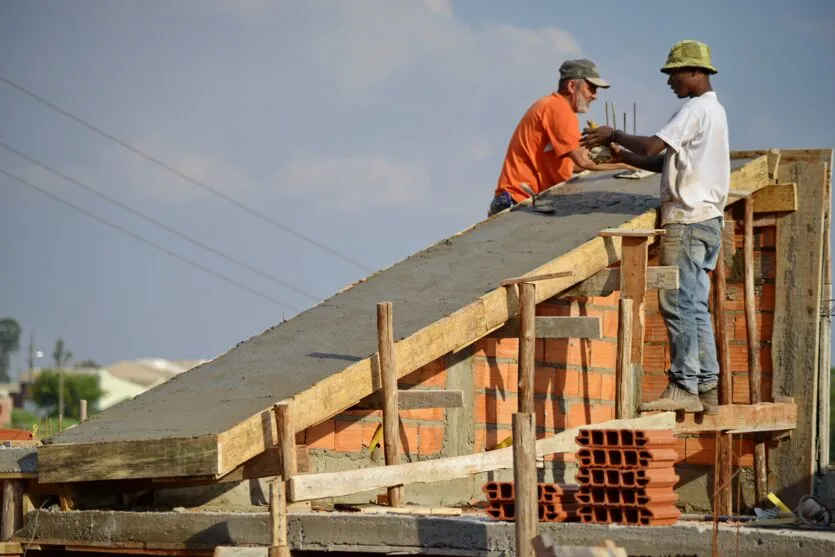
697	167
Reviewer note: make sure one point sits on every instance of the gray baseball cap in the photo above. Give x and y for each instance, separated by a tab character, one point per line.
582	69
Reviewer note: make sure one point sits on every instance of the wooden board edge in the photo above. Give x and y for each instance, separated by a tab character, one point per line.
117	460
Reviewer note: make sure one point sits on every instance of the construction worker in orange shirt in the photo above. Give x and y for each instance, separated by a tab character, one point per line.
545	149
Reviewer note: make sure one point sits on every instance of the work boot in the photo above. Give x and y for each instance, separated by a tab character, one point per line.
710	400
674	398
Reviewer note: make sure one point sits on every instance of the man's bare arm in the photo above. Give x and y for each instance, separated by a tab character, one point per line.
653	164
639	144
581	159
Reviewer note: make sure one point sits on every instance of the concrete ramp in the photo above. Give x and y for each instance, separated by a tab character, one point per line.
210	420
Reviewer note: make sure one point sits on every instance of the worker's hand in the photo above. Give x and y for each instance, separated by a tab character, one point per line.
596	137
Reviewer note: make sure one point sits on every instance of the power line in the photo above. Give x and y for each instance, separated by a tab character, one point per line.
156	222
148	242
184	176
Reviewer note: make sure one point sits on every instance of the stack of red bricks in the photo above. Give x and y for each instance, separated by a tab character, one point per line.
556	501
627	477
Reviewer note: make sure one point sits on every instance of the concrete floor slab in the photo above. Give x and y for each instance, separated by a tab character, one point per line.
354	532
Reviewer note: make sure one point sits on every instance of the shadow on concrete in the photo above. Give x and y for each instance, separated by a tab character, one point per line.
588	202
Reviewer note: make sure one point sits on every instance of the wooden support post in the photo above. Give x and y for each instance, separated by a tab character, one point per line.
634	286
721	328
626	403
278	519
12	510
755	370
527	346
524	477
391	414
83	411
286	439
723	475
723	472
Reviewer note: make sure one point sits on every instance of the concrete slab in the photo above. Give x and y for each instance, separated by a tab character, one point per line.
424	288
352	532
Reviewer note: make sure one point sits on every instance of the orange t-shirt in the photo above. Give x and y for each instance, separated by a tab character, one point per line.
548	131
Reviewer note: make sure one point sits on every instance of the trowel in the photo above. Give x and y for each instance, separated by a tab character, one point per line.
547	208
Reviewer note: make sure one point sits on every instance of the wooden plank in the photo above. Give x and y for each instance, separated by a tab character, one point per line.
775	198
795	340
127	460
557	327
527	347
633	285
626	405
391	413
342	390
741	418
411	399
411	510
524	481
535	278
336	484
754	369
612	232
607	281
824	367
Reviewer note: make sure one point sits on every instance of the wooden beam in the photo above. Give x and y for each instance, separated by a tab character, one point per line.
305	487
824	366
342	390
412	399
607	281
776	198
557	327
754	368
535	278
626	404
286	440
631	233
527	347
524	481
795	341
391	413
721	318
741	418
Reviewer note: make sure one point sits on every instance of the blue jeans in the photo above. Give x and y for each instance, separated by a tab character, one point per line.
694	249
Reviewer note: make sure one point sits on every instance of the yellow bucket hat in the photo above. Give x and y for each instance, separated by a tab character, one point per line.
689	54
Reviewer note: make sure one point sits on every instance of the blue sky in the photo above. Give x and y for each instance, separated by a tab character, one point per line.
373	127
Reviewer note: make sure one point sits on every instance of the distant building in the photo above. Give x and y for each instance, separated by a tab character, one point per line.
120	381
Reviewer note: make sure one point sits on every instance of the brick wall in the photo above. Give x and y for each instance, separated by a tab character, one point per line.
575	379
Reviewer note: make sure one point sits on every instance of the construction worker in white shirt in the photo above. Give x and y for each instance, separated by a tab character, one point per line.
695	179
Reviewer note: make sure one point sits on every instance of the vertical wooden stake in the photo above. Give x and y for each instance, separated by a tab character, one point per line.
278	519
524	478
83	412
755	377
721	326
633	285
391	416
12	510
527	346
723	472
626	405
286	439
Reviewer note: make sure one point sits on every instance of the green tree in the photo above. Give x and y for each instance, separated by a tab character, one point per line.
9	344
76	387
